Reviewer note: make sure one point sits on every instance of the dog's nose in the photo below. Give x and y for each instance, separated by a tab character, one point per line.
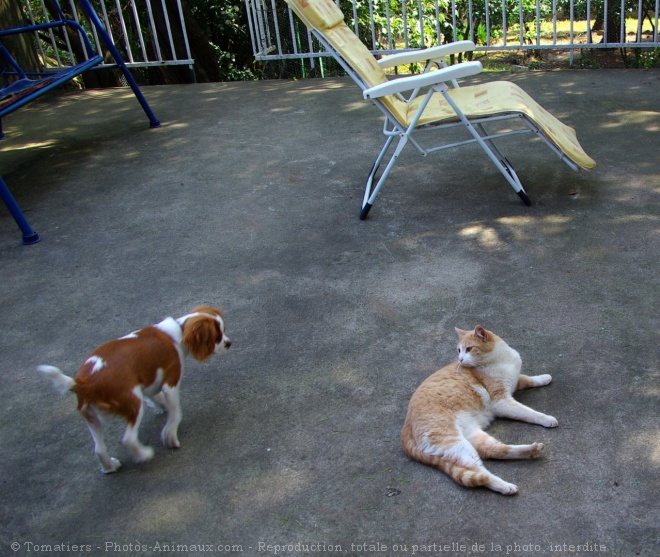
227	343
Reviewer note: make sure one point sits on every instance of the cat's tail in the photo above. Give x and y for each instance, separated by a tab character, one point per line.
468	475
60	382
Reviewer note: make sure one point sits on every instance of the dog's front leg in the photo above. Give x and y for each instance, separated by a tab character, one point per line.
173	406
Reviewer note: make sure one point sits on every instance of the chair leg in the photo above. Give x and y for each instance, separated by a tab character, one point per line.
503	165
369	193
501	162
29	235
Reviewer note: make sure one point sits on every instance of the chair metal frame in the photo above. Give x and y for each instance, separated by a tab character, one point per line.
20	87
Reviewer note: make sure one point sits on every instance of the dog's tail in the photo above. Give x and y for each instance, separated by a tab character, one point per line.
60	382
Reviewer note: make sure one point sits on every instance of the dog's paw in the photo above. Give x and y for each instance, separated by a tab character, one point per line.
145	454
170	439
111	467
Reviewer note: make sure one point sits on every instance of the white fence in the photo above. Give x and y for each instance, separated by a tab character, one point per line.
146	32
388	26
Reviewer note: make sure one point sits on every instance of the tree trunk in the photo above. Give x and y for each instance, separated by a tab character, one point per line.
21	47
206	67
613	21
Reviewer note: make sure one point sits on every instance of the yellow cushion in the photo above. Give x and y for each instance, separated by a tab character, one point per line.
500	97
356	54
325	16
363	62
322	14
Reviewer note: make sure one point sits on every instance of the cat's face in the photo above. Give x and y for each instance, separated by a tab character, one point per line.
474	346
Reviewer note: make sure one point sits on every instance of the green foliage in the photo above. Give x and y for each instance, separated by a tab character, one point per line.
398	24
587	62
645	58
223	22
225	25
580	8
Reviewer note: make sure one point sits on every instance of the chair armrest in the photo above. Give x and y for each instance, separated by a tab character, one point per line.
434	53
423	80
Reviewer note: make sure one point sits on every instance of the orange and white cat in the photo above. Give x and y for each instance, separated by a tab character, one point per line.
450	409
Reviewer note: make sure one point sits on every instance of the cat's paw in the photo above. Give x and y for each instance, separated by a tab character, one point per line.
549	421
542	380
499	485
510	489
536	449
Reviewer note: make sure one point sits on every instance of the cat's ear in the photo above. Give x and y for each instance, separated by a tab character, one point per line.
481	333
460	332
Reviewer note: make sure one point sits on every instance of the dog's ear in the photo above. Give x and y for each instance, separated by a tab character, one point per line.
200	335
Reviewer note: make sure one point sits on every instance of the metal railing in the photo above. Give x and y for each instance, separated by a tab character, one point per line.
393	26
146	32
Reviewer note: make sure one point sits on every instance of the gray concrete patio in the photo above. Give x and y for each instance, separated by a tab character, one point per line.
248	197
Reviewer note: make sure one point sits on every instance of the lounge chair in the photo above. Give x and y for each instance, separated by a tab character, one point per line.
435	101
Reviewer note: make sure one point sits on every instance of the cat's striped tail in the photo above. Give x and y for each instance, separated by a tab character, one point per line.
461	473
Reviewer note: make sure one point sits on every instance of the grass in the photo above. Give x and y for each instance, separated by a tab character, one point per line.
562	29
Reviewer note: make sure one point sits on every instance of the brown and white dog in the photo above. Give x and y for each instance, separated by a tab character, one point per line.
120	375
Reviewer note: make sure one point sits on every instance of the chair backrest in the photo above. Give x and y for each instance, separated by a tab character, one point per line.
324	17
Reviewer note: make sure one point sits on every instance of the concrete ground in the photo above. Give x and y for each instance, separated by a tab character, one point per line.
248	197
